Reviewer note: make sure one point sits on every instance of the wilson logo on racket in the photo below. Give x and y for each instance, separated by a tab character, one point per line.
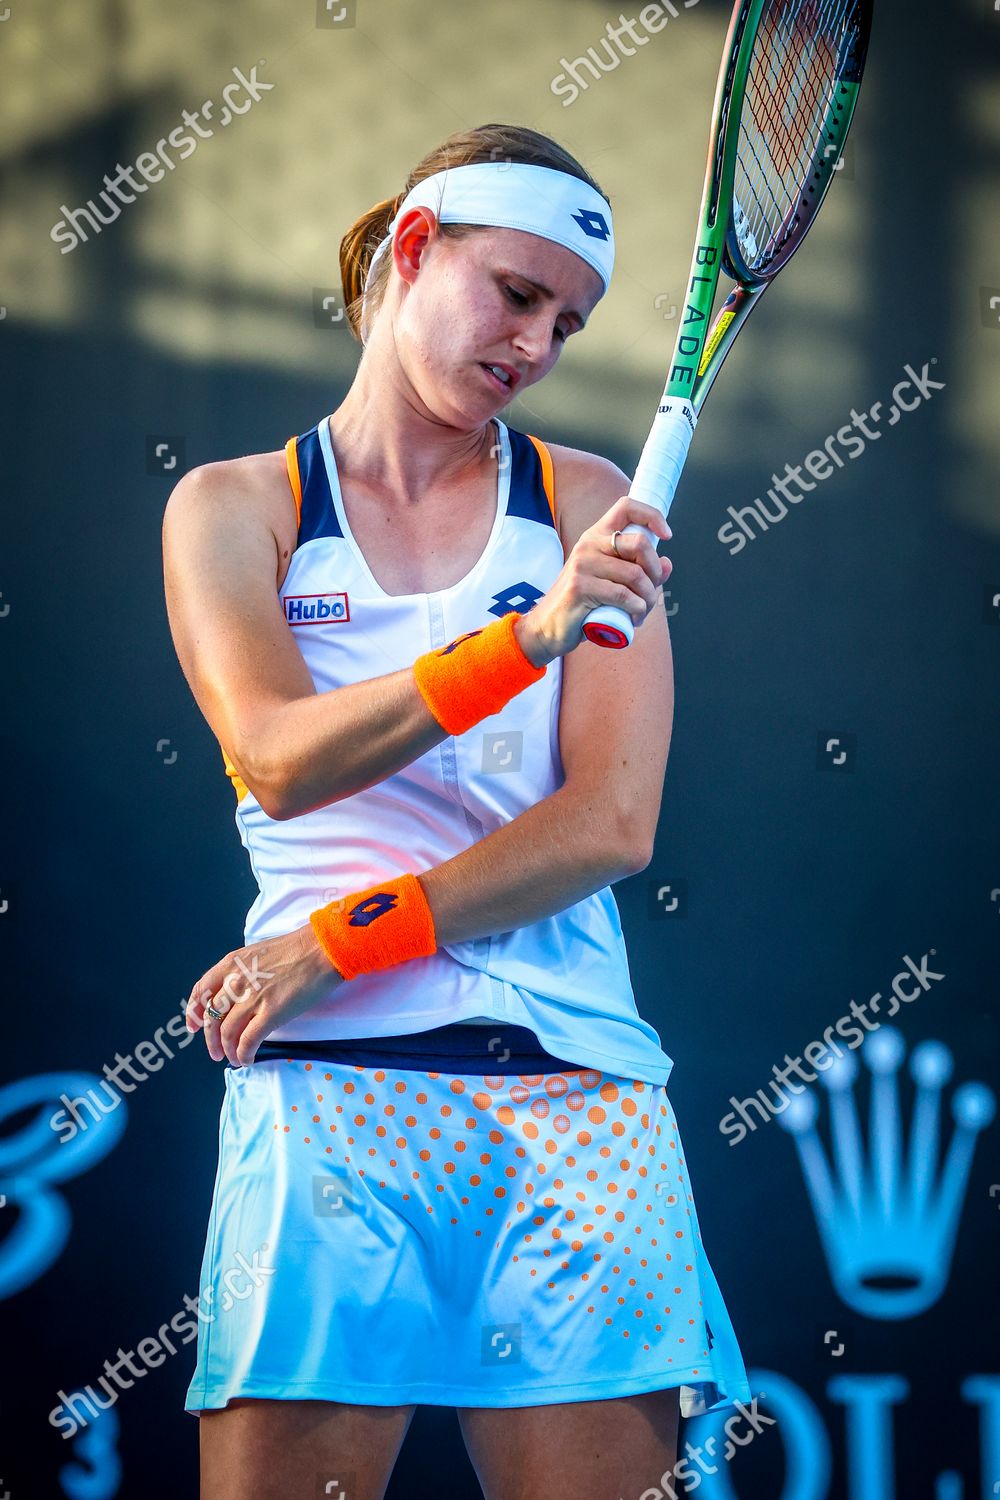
316	609
681	408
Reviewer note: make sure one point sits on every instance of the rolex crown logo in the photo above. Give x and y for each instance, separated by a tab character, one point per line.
888	1210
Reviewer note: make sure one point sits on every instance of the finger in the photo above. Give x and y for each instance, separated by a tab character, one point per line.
198	1013
212	1027
646	515
208	985
623	584
638	548
232	1029
223	1003
194	1015
655	520
254	1032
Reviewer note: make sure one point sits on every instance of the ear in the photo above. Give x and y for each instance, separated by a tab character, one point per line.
415	232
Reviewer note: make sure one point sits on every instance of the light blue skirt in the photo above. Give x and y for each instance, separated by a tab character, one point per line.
389	1236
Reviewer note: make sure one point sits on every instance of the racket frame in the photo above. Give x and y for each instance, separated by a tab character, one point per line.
693	381
699	356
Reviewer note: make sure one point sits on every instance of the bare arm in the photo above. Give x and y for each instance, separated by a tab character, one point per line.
223	531
615	721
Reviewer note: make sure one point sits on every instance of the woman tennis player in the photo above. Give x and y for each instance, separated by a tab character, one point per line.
449	1172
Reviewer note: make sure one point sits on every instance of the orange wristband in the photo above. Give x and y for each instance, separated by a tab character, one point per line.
475	674
377	927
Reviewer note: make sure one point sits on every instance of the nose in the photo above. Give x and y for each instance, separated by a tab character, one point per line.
535	338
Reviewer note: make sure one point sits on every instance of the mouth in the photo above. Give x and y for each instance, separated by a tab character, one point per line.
505	381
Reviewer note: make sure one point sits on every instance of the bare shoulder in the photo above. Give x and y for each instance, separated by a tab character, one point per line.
586	485
234	490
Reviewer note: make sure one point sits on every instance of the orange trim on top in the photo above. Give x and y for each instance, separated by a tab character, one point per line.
292	465
239	785
548	475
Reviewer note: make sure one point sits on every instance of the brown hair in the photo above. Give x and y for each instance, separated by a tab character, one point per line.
516	143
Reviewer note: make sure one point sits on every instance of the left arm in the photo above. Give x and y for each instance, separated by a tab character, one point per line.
615	720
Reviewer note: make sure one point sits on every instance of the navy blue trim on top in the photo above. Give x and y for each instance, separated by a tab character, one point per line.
319	515
454	1048
526	496
527	487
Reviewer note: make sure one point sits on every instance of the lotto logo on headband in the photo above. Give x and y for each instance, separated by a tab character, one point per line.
316	609
592	223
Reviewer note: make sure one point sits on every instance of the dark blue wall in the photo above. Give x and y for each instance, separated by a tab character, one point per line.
865	613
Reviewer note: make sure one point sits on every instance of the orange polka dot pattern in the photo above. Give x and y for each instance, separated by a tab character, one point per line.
406	1236
576	1178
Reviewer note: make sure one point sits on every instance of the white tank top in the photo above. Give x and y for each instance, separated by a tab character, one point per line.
566	976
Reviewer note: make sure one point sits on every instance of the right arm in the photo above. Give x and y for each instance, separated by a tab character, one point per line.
295	749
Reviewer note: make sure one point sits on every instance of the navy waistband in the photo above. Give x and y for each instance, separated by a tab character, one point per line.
455	1048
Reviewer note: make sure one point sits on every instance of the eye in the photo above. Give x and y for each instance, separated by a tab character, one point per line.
520	300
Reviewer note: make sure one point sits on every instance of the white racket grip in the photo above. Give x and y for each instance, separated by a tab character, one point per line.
663	456
655	482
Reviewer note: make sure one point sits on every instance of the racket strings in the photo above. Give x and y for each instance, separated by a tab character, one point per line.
787	92
788	85
791	82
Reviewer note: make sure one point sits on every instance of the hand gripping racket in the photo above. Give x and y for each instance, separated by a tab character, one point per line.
787	88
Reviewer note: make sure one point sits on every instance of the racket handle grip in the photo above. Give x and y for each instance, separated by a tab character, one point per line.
607	625
655	483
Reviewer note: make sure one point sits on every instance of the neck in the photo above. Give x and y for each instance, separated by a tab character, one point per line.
385	439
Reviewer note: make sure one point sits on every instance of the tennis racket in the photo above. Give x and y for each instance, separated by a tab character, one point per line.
786	93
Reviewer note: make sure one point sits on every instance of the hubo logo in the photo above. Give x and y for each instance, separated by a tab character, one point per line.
888	1225
316	609
592	223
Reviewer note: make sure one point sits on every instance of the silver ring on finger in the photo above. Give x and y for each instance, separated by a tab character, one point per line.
614	543
216	1015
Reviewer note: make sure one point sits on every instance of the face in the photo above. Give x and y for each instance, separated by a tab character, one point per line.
463	305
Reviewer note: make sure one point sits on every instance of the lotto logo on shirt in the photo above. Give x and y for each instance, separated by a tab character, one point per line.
316	609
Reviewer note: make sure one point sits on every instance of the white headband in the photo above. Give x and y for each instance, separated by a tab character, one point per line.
515	195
